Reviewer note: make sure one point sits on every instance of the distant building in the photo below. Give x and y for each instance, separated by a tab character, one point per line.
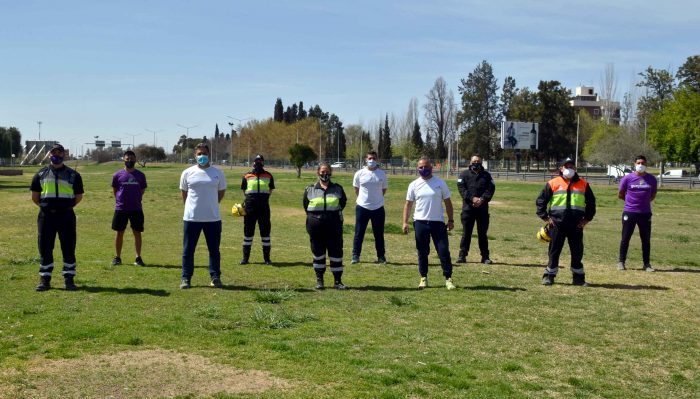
587	99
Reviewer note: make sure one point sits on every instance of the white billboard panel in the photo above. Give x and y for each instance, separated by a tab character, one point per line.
519	135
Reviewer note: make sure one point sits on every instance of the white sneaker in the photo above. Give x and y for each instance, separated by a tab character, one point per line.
449	284
648	268
621	266
423	283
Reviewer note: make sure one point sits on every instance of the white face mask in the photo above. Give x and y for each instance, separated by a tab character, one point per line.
371	163
640	168
568	173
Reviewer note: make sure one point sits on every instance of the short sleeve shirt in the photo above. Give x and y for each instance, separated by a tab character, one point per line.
130	186
428	196
638	192
371	183
202	187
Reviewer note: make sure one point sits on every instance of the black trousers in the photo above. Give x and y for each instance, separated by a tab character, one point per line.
326	237
481	219
629	221
259	214
565	231
50	223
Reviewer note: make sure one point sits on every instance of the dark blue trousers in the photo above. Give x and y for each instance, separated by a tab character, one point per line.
425	230
212	233
362	218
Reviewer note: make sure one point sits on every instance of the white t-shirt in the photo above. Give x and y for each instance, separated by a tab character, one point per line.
371	183
428	196
202	186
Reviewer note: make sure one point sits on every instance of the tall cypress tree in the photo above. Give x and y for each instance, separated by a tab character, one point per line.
386	141
302	112
279	111
416	138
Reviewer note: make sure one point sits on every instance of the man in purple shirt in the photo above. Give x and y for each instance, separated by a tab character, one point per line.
128	185
637	189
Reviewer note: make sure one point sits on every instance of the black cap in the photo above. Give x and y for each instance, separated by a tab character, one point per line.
57	146
567	160
259	157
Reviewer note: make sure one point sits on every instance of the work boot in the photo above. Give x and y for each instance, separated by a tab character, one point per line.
355	259
69	283
44	283
548	279
339	285
266	255
246	255
461	259
319	283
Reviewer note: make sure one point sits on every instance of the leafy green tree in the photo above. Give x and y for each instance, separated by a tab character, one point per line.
299	155
479	113
302	112
386	139
148	153
10	142
617	146
688	74
557	132
507	93
279	111
659	85
675	130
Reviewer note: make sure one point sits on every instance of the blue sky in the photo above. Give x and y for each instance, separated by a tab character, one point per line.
115	69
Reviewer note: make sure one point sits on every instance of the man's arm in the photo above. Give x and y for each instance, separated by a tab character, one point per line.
621	195
450	214
406	211
184	195
36	197
221	194
357	191
78	198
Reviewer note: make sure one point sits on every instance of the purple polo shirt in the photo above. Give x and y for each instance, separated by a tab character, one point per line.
130	186
639	190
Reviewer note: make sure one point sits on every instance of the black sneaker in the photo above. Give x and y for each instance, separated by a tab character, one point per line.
319	284
244	261
185	283
44	284
579	279
139	261
268	262
461	260
486	261
116	261
216	283
381	260
69	283
339	286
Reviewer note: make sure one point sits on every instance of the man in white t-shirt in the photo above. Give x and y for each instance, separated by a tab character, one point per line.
370	186
429	192
202	187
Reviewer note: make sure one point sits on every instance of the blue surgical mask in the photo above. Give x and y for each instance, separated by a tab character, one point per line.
56	160
202	159
372	163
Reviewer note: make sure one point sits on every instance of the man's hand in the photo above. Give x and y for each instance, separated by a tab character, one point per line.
550	222
583	223
477	202
405	228
450	225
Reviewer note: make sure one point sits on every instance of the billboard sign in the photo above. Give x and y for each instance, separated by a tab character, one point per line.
519	135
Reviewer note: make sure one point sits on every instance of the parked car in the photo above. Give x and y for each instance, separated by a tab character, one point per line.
340	165
674	173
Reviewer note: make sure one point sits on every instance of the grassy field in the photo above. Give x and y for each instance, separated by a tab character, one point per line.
131	332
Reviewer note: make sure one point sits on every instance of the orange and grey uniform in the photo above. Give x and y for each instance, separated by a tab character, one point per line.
257	187
57	188
324	223
566	202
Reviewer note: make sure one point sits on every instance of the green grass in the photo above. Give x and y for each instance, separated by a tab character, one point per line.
500	335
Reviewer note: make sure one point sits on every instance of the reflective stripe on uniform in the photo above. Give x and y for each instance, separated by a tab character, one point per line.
320	266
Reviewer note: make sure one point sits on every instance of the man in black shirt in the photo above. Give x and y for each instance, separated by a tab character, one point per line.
56	189
476	188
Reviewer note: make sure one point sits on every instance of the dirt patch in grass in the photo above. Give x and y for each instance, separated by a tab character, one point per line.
136	374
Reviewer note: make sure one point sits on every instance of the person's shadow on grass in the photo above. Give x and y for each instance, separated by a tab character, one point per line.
632	287
123	291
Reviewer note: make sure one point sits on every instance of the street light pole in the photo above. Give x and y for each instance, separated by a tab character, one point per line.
39	123
132	139
154	134
240	130
187	137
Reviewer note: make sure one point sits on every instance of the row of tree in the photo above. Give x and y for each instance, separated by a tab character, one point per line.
10	142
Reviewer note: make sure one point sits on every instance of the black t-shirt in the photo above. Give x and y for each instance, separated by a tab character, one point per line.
57	187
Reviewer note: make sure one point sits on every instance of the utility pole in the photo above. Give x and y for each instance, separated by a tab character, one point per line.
187	137
154	134
578	120
132	139
39	123
240	130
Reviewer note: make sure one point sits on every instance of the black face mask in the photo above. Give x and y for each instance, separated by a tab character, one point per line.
257	166
475	167
129	164
325	177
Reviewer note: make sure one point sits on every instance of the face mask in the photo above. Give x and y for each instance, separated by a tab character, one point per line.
202	159
371	163
475	167
257	166
568	173
425	172
55	159
129	164
324	177
640	168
